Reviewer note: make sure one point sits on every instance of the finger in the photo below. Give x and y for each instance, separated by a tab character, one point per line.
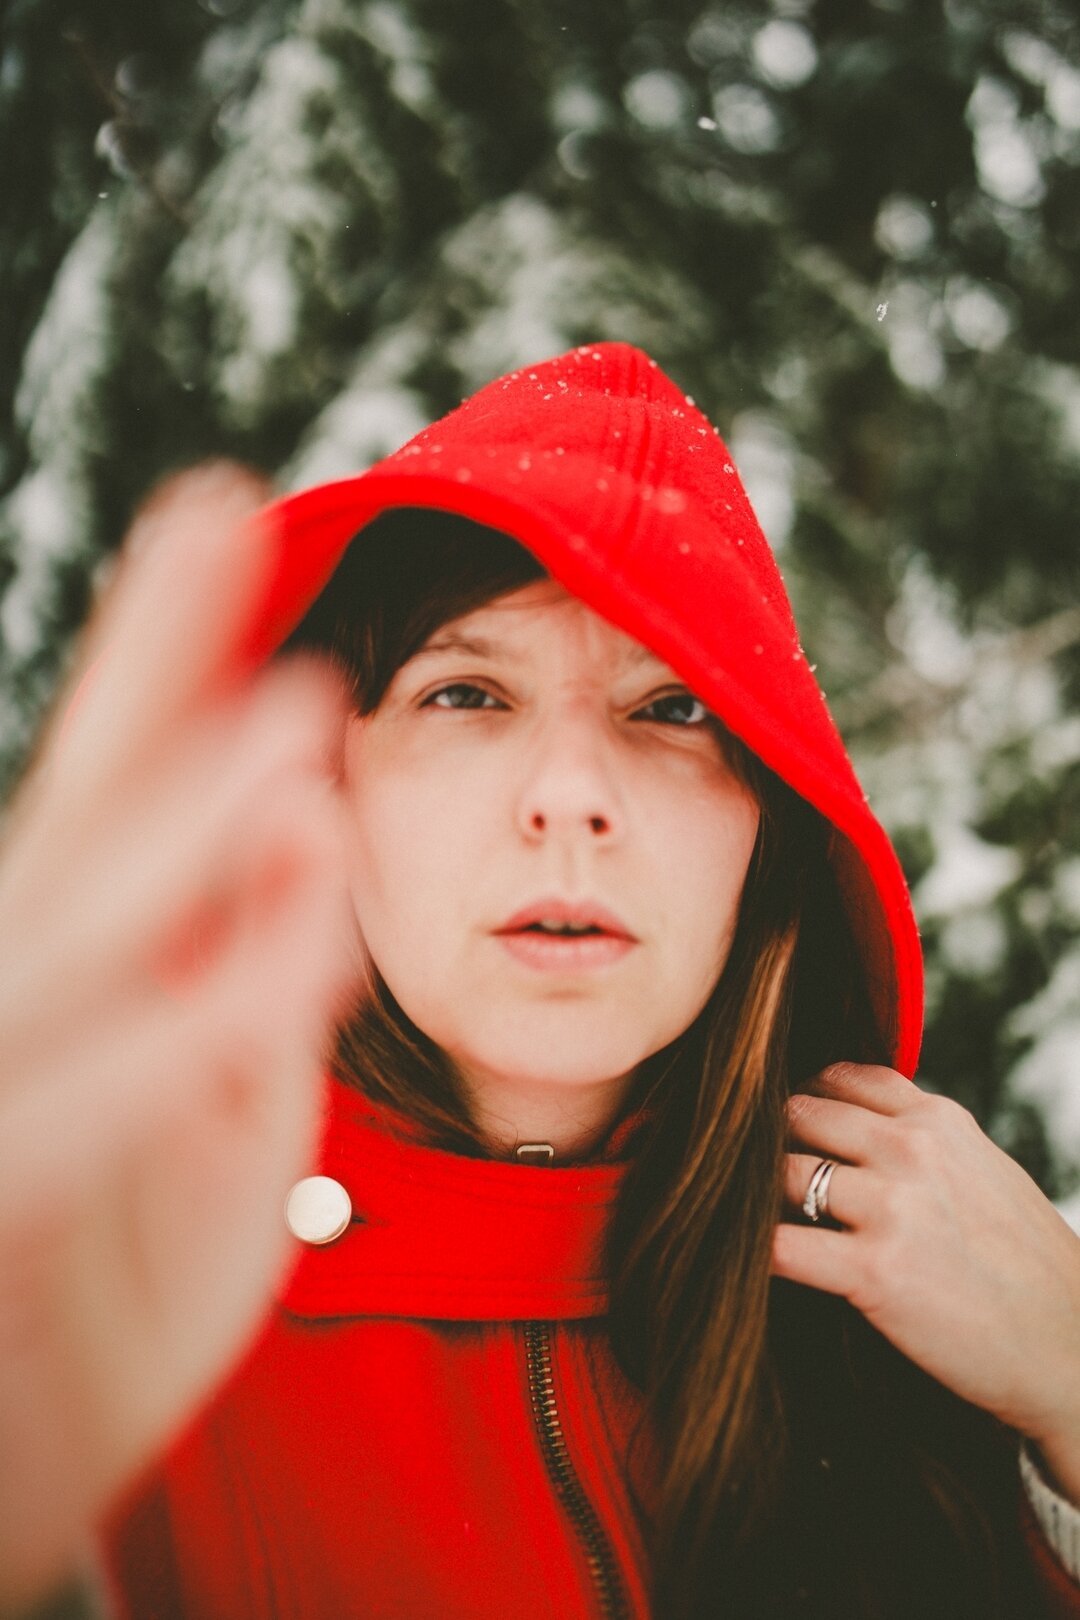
853	1196
126	886
817	1257
293	828
296	935
267	1017
872	1086
175	1220
256	1030
839	1130
198	558
77	1121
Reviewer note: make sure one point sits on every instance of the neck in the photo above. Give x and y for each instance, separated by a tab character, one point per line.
575	1119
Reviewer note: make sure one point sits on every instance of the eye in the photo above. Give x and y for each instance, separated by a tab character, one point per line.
463	691
676	709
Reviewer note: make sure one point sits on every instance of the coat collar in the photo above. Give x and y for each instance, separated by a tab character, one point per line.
437	1236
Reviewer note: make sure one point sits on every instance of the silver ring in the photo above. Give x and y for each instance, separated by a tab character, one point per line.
816	1202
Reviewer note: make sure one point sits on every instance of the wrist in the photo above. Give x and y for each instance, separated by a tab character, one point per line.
1058	1453
1057	1518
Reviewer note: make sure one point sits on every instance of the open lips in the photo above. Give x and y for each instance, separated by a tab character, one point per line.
562	918
566	936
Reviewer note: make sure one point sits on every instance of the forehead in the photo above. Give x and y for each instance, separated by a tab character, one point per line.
527	620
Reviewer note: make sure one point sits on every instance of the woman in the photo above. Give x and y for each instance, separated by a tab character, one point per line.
548	1350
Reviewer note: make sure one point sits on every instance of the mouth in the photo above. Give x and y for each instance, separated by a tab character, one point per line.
557	919
563	931
566	936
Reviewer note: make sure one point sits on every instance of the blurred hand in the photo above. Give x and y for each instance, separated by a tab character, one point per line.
178	944
946	1245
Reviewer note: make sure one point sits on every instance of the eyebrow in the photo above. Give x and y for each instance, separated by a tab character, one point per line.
480	647
451	641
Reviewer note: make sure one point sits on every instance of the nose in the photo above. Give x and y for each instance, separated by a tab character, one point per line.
569	787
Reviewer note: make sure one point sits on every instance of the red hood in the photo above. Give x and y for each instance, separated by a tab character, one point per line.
608	473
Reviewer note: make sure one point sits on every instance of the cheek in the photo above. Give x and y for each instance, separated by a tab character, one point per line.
708	856
387	854
412	843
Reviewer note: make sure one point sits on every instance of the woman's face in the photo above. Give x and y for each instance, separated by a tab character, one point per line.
529	754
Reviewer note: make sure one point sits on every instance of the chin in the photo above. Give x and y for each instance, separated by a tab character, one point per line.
560	1057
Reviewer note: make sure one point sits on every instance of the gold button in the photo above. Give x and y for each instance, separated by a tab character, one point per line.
318	1209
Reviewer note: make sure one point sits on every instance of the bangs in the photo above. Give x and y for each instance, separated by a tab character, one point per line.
405	575
413	570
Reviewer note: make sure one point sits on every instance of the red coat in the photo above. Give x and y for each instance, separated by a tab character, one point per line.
431	1426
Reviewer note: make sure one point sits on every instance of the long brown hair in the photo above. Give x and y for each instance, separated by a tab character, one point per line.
806	1467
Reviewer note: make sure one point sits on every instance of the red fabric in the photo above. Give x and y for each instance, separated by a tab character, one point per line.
376	1455
601	466
463	1240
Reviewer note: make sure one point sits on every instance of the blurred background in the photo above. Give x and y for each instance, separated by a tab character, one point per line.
294	231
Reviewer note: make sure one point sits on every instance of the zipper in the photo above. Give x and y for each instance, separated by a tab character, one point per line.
599	1553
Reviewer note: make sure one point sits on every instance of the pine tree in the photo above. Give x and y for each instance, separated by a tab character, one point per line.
295	230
